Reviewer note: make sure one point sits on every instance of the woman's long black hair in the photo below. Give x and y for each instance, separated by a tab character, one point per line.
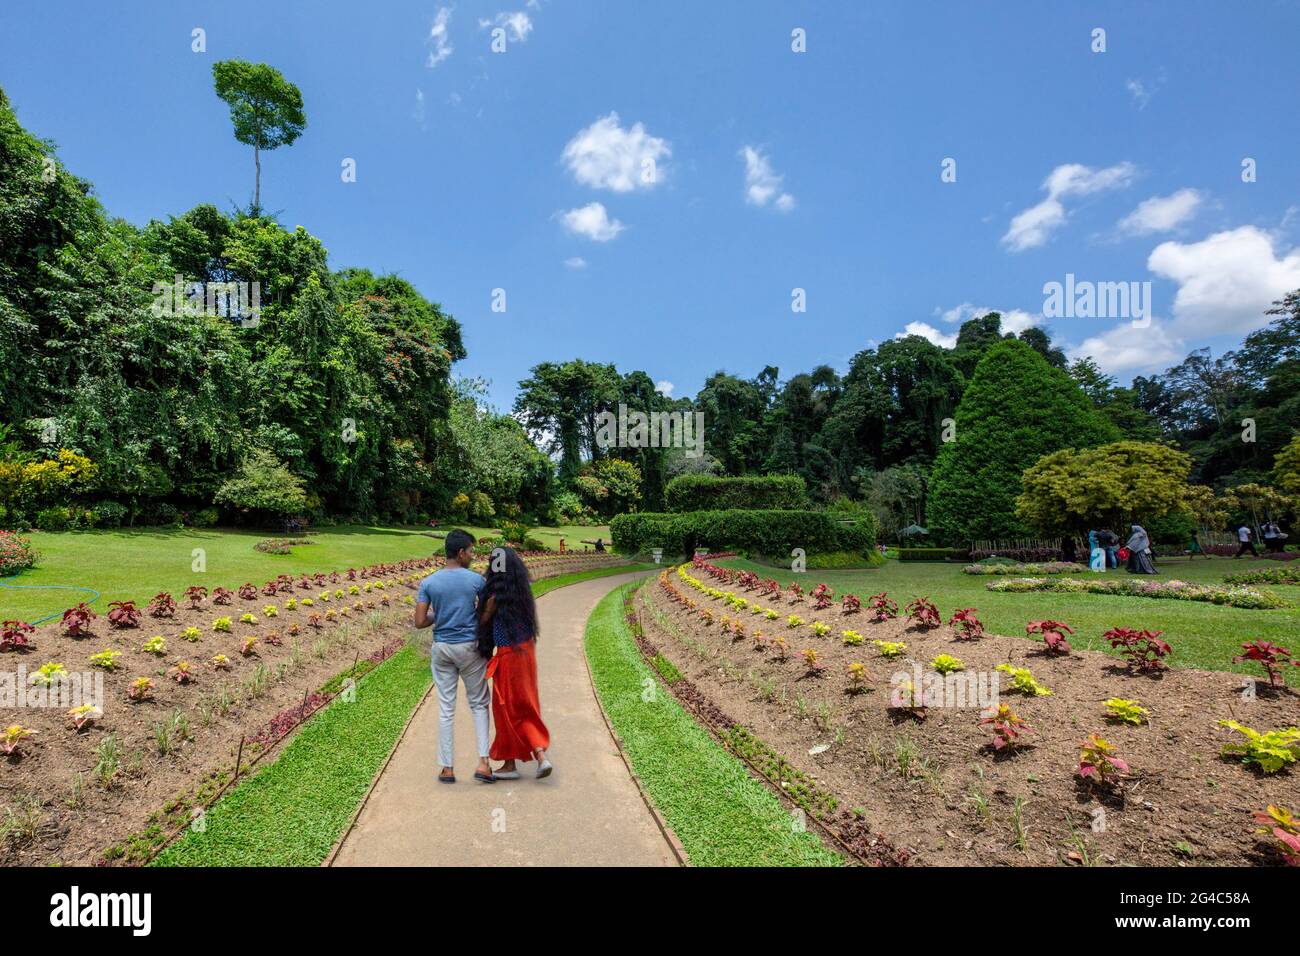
508	582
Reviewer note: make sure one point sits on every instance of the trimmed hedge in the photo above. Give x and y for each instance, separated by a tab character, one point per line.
715	493
933	554
768	532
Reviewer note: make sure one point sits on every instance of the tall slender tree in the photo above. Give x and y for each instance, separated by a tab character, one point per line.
265	108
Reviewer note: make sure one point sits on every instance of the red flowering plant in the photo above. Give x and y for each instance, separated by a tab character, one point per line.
969	627
162	605
76	620
922	613
196	594
851	604
1144	649
13	635
123	614
16	554
882	607
1053	635
1272	657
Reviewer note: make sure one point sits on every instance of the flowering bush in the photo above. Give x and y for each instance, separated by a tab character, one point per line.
16	554
1272	657
1053	635
13	635
1242	597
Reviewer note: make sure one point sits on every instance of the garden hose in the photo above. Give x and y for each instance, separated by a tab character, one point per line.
47	587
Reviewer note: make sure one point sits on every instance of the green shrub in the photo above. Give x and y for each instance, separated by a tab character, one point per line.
204	518
110	514
773	533
716	493
65	518
515	532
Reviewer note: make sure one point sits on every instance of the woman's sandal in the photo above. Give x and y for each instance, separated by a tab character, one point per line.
485	777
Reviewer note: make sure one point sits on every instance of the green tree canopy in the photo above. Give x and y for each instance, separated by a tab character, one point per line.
1113	485
1016	409
265	108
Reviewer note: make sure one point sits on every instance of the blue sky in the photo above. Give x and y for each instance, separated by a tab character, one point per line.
773	170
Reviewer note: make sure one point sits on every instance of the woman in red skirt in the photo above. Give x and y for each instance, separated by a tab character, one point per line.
510	616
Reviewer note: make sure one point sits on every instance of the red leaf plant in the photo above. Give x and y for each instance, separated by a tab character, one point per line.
123	614
882	607
1053	635
1007	727
822	597
247	592
13	635
162	605
222	596
1098	763
1272	657
969	627
851	604
922	613
1144	649
76	620
196	595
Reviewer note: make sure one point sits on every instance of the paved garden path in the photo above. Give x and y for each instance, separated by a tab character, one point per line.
589	812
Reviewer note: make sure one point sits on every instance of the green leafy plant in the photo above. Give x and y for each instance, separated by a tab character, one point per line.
1023	682
1270	751
13	736
221	625
794	620
247	619
47	674
890	648
221	662
947	664
191	634
83	716
851	638
155	645
1126	711
858	677
105	660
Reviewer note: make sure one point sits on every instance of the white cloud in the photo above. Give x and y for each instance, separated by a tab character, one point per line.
517	24
762	184
929	332
439	39
606	156
593	222
1227	280
665	388
575	262
417	113
1126	348
1161	213
1033	226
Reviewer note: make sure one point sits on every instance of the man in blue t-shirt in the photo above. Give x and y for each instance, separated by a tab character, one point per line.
449	601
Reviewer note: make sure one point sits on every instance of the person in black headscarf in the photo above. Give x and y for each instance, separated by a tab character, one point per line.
1139	552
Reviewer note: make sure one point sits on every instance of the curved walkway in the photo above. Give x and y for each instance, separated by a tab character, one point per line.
588	813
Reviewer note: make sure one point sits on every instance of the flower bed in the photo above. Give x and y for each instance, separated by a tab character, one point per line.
1087	758
1240	597
1052	567
1288	575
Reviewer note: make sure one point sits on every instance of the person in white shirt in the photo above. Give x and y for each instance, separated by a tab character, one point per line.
1244	536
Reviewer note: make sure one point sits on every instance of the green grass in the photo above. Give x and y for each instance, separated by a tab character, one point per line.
722	815
1203	635
134	565
291	813
559	581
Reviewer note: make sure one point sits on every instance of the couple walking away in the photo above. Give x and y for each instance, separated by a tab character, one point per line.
485	629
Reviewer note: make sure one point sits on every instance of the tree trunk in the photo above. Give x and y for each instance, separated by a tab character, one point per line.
257	182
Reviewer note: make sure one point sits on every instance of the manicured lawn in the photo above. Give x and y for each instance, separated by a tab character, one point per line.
291	813
137	564
1203	635
722	815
